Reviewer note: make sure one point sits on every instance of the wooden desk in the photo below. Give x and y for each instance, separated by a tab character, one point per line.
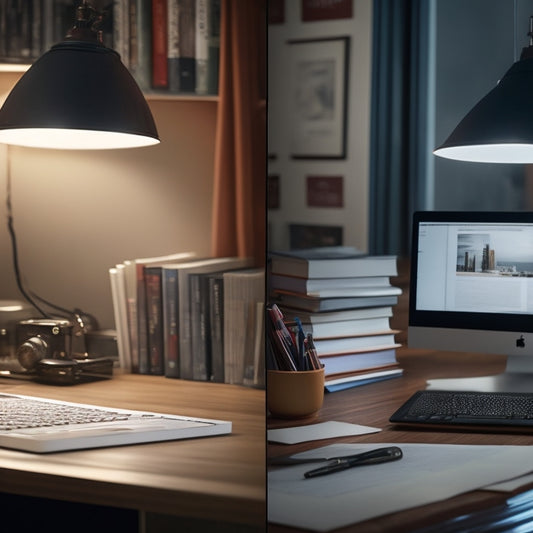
219	479
372	405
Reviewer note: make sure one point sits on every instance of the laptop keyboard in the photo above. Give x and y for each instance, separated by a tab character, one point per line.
18	413
41	425
451	408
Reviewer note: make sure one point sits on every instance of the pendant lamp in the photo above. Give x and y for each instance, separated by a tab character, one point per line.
499	129
78	95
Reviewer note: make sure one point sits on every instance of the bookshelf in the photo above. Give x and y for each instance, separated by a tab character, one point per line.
165	62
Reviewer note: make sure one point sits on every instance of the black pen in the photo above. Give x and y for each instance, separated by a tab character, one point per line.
381	455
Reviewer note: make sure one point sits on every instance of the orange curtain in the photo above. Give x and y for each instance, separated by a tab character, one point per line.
239	211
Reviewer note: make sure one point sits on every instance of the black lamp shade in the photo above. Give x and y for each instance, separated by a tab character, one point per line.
77	95
499	129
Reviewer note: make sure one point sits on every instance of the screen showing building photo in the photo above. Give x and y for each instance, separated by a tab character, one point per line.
475	267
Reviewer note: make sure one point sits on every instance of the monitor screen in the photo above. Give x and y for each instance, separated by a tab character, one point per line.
472	284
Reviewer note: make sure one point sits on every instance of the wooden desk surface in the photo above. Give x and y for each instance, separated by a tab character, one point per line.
372	405
215	478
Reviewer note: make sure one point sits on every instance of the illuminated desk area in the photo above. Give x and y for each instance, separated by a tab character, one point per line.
214	480
372	405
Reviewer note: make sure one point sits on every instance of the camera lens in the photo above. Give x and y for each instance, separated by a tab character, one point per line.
31	352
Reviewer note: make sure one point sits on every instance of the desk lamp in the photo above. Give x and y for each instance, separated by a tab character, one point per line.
78	95
499	128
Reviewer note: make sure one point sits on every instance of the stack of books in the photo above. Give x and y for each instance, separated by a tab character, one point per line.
344	299
191	318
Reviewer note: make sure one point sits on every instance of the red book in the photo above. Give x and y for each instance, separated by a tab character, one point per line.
159	44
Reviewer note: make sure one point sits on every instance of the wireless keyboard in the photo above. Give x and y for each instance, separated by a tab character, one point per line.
477	410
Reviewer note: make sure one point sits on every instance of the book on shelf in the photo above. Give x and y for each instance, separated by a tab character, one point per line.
140	52
315	285
154	320
135	322
213	51
120	310
216	326
160	74
244	305
201	50
184	317
330	262
317	304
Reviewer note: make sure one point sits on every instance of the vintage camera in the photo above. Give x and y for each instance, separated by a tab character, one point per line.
45	351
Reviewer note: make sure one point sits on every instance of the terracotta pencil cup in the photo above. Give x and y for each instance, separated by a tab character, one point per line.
296	394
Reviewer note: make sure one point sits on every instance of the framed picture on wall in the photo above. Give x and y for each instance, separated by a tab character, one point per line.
312	236
318	98
316	10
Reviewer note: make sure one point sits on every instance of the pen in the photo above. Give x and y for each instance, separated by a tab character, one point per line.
381	455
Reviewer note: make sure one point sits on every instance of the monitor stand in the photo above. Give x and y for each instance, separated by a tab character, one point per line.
518	377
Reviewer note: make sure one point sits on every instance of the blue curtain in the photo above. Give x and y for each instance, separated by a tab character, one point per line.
398	121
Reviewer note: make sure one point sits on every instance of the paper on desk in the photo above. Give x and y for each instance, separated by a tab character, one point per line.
511	484
427	473
323	430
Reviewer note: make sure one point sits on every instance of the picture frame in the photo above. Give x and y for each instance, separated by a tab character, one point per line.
318	97
325	191
303	236
313	10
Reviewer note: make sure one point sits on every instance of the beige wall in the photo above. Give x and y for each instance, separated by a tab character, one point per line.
79	213
355	168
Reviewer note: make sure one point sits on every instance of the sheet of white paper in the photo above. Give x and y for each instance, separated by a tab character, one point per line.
427	473
323	430
510	485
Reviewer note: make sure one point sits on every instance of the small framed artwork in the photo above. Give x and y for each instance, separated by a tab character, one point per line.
309	236
318	98
325	191
273	192
326	10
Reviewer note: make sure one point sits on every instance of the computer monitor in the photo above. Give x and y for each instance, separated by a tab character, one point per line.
471	290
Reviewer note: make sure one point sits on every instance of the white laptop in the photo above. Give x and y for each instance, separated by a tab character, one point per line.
40	425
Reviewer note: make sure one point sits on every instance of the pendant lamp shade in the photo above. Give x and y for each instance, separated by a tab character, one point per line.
78	95
499	129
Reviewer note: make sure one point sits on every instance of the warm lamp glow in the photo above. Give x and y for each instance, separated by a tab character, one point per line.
73	139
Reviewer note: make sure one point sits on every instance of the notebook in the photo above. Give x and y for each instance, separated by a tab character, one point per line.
41	425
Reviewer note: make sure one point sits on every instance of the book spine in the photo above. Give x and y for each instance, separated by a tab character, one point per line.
142	52
154	312
48	24
142	334
213	54
201	45
169	291
186	62
200	359
115	297
173	51
36	29
159	44
121	30
216	327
